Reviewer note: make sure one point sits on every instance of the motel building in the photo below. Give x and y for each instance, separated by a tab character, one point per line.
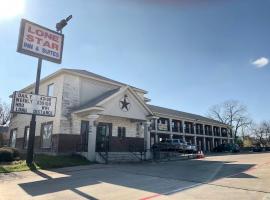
98	117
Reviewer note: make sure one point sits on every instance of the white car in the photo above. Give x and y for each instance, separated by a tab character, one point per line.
190	148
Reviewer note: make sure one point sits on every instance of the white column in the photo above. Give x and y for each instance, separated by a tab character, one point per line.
203	128
147	140
204	144
156	129
170	122
183	128
195	133
91	154
213	140
228	136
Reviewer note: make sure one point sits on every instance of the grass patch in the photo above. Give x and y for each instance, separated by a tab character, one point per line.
44	162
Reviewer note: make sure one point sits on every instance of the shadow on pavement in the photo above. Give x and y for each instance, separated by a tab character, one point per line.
152	177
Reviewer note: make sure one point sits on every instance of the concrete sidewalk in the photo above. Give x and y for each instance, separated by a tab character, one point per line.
236	176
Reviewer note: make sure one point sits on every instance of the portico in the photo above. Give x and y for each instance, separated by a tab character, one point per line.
118	122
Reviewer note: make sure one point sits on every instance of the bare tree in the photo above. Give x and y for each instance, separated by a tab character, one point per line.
233	113
4	113
261	133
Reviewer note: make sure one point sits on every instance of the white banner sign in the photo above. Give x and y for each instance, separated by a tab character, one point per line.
38	41
25	103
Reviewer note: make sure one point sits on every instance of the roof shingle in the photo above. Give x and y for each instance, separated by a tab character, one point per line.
167	111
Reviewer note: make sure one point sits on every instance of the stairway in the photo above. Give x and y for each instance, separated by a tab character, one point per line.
119	157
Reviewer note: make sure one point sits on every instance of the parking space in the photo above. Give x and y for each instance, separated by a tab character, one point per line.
237	176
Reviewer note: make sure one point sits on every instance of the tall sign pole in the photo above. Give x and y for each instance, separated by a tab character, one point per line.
31	141
43	43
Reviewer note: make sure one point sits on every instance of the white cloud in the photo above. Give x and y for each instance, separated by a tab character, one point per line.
260	62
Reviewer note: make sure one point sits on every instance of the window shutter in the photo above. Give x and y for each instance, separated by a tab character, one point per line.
119	132
124	132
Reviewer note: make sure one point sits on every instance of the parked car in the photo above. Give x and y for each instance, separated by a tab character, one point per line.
234	148
190	148
227	148
176	144
161	146
257	149
267	148
170	145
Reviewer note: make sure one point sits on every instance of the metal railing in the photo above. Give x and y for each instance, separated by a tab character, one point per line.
81	147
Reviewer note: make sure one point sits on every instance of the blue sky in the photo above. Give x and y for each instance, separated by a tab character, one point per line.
188	54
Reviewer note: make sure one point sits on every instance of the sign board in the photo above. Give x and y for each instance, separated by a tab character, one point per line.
40	42
163	127
26	103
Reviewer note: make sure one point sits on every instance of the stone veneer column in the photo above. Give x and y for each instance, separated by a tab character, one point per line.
91	154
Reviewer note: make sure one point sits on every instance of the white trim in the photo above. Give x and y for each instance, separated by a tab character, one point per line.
123	89
89	109
190	120
63	70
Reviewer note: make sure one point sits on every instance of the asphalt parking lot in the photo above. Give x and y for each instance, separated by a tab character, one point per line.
239	176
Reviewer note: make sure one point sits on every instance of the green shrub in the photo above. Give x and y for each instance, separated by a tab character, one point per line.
8	154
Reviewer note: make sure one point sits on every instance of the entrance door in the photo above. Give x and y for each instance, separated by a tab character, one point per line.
84	136
103	137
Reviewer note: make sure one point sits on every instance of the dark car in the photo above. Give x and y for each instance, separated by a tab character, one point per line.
234	148
267	148
257	149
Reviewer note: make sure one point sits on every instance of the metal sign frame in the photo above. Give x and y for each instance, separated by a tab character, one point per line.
13	100
30	53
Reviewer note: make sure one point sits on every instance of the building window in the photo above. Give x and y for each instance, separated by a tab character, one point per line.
26	137
46	135
13	136
50	89
121	132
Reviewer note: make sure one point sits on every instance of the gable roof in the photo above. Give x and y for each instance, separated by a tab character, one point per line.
95	101
87	73
99	100
171	112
